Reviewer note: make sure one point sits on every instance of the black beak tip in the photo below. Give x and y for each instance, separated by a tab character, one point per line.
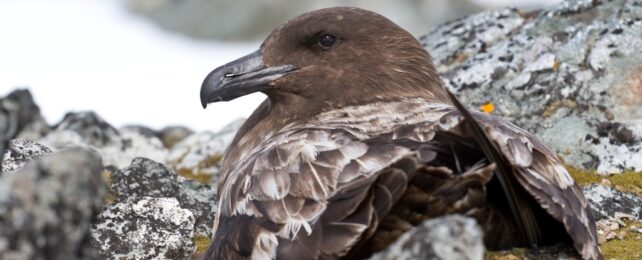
204	104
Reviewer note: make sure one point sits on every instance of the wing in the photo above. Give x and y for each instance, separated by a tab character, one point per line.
302	196
524	161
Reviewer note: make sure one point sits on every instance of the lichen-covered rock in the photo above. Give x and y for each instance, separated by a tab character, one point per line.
171	135
202	200
450	237
19	152
117	148
198	156
20	117
144	228
147	178
570	74
606	202
144	177
46	208
31	124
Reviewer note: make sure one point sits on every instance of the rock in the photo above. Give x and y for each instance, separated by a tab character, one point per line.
174	134
32	125
20	117
450	237
144	228
198	156
570	74
91	127
259	18
606	202
202	200
46	208
19	153
117	148
144	178
147	178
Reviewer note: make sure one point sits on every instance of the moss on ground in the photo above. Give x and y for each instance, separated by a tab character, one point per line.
628	248
204	178
109	198
202	242
627	181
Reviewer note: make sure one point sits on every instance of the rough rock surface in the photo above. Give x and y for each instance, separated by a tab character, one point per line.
117	148
145	178
172	135
198	156
260	17
144	228
451	237
20	118
19	152
606	202
47	207
571	74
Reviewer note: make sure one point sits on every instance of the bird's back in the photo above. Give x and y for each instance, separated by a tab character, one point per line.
347	182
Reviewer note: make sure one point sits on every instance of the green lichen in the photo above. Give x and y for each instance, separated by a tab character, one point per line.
106	176
203	178
627	181
628	248
202	242
194	174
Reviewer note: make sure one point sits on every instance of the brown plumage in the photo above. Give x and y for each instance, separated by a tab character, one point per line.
359	141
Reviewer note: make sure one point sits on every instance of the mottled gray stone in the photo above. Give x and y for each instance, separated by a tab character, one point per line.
117	147
19	152
451	237
172	135
144	228
570	74
606	201
200	154
147	178
46	208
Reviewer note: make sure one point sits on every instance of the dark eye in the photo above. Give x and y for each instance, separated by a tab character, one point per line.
326	41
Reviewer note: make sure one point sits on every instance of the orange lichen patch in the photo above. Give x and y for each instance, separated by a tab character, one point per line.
629	91
487	108
556	65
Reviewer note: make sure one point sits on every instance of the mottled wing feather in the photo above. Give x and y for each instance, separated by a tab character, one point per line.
313	177
542	175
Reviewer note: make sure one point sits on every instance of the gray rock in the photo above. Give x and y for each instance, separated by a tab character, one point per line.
606	201
90	126
46	208
147	178
20	117
144	178
117	148
200	154
450	237
144	228
202	201
246	19
19	153
172	135
570	74
32	125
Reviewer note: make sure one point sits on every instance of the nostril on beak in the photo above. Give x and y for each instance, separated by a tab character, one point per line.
229	75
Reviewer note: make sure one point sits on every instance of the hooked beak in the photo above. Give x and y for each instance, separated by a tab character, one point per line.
241	77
